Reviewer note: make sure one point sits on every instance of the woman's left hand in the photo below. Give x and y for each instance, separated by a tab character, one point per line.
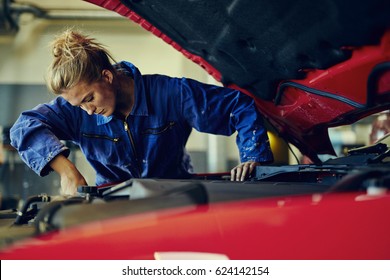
243	170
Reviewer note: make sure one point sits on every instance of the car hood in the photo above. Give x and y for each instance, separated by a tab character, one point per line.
308	227
308	65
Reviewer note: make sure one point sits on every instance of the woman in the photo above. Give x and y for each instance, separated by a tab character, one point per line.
129	125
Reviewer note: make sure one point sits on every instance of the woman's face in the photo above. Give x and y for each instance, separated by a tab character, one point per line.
95	98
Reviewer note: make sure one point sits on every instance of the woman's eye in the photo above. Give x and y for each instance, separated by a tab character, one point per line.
89	99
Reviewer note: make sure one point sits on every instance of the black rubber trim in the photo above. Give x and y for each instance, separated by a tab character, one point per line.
316	92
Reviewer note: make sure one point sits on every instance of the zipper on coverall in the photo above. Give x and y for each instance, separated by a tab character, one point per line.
133	147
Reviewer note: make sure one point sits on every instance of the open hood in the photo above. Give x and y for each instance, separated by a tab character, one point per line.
309	65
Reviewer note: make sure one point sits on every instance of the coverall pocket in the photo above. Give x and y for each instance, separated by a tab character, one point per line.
160	129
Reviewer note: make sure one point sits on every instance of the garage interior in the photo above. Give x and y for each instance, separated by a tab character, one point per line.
27	27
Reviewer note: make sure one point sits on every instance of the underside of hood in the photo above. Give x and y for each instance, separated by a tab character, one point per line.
309	65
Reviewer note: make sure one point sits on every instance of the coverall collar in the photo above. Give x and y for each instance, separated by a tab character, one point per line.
140	107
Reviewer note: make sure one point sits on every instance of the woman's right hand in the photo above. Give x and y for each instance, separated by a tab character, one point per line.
71	177
70	182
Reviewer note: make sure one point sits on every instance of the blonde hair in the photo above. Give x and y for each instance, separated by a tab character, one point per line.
76	58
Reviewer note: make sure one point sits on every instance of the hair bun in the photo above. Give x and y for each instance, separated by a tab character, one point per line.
70	44
57	50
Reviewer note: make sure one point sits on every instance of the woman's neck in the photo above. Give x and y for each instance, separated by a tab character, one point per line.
125	95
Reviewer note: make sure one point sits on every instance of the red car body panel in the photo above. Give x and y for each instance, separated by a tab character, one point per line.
300	114
330	226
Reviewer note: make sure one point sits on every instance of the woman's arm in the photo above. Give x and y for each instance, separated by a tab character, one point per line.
220	110
71	177
37	134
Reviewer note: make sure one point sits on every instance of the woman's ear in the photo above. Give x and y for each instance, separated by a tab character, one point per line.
107	75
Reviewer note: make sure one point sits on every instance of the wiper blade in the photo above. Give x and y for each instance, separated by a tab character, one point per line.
380	157
378	148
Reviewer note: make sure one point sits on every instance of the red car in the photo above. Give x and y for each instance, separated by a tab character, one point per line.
309	66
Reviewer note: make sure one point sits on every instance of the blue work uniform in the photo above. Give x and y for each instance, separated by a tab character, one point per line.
150	142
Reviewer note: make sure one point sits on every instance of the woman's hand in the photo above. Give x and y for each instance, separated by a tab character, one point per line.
243	170
71	177
70	182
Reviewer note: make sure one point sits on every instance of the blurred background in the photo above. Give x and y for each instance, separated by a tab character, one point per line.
27	27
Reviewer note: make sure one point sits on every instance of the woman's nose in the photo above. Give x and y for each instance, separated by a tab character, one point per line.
89	109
